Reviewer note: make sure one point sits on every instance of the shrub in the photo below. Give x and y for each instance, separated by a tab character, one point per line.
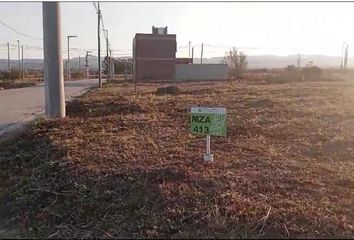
168	90
237	63
13	74
312	73
291	68
77	74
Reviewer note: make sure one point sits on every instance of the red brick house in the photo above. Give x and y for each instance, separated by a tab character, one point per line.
154	55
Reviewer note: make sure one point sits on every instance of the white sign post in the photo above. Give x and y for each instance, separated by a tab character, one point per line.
208	121
208	157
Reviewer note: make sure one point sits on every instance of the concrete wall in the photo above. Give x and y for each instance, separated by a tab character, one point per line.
201	72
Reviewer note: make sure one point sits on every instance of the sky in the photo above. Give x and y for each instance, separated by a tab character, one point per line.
269	28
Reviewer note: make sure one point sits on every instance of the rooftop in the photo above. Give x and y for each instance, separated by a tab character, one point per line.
145	35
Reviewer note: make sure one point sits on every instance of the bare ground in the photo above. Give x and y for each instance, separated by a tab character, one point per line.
123	164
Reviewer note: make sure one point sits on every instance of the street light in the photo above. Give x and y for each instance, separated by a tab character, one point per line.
189	49
68	62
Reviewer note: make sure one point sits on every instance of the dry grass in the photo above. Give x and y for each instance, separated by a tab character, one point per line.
10	84
123	164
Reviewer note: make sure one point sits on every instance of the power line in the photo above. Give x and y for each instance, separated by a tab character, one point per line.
75	48
13	29
94	5
103	28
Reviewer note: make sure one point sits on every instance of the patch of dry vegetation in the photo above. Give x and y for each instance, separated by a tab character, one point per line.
123	164
10	84
292	74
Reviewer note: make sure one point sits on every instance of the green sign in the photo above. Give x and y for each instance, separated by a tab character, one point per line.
208	121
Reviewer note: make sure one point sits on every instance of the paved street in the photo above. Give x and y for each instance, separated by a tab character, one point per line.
17	105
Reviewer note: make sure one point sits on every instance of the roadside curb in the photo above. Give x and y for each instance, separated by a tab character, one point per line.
18	127
15	129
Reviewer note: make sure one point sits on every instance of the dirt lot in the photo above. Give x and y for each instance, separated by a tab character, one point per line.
123	164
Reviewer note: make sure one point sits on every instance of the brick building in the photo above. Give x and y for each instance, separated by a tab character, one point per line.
154	55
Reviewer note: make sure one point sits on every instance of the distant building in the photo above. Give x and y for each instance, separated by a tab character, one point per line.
154	55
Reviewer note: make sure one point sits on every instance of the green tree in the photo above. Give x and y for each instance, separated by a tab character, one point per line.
105	65
12	75
237	62
312	73
122	65
291	68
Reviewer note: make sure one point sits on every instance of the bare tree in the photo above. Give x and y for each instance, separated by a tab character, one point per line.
236	61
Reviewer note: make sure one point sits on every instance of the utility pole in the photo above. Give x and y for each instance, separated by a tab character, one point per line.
19	56
79	63
125	70
107	51
87	65
8	59
22	69
192	54
108	60
346	60
110	64
131	68
99	45
201	54
66	67
342	59
189	49
113	68
68	62
346	57
111	60
53	61
298	62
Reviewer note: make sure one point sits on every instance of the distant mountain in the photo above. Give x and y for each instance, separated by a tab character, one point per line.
37	64
254	62
271	61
